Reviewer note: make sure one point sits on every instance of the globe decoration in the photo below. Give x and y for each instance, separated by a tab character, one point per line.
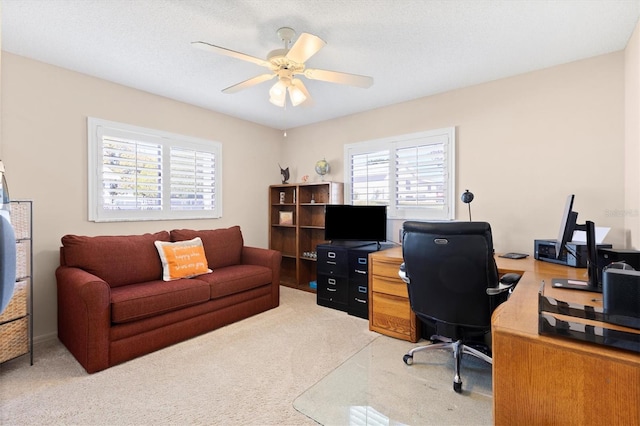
322	168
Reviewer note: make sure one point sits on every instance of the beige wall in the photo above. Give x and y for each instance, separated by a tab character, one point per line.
44	136
523	144
632	140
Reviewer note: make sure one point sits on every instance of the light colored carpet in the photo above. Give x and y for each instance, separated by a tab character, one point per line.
246	373
297	364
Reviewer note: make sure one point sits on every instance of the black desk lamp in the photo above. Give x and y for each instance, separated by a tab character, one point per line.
467	198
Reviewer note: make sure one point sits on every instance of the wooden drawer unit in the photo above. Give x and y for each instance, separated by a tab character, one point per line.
389	310
391	286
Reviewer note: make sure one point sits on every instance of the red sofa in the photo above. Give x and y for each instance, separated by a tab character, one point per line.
113	305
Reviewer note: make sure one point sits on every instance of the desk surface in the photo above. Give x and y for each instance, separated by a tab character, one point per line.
520	314
551	380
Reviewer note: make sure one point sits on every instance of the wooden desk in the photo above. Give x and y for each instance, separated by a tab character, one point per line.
551	380
536	379
389	310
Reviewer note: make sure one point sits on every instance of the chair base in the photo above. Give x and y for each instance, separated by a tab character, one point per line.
457	347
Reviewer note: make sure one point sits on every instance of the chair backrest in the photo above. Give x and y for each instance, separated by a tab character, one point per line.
450	265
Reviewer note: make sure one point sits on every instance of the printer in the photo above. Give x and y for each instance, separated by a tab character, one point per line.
575	253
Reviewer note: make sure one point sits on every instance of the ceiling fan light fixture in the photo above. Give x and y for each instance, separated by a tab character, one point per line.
278	94
285	64
277	101
296	95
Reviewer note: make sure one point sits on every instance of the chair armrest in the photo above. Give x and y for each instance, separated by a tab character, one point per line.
510	278
403	273
507	283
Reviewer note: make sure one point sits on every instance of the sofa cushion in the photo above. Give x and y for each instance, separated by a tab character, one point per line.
223	247
236	278
182	259
136	301
118	260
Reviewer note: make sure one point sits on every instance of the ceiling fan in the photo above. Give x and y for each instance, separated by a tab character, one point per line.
286	64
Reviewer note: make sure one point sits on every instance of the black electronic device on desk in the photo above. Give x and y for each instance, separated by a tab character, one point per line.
608	256
514	255
621	307
592	283
621	295
562	250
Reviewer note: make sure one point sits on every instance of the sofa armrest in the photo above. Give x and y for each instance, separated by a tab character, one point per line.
84	316
271	259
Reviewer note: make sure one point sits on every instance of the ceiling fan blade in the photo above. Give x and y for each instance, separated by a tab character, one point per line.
305	47
339	77
221	50
248	83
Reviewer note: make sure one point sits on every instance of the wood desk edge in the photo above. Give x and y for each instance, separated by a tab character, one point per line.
519	315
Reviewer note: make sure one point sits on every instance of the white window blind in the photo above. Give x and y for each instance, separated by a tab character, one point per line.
131	175
144	174
370	178
193	179
411	174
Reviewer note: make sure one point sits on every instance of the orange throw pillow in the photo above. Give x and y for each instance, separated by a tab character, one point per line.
183	259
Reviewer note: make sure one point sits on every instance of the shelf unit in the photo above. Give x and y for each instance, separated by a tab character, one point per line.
296	227
16	322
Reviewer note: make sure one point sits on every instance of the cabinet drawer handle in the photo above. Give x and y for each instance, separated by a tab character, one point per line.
362	260
331	255
332	289
362	289
360	272
360	300
331	281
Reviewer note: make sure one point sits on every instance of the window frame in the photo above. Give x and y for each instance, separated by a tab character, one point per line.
391	144
98	128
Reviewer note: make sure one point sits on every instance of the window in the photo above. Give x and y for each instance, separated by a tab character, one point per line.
143	174
414	175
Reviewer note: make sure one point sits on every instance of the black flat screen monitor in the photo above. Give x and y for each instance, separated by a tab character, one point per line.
355	223
567	226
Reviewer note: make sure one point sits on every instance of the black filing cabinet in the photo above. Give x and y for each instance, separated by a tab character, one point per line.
333	276
358	287
343	281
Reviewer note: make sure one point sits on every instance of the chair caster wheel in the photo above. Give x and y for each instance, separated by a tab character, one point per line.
457	387
408	359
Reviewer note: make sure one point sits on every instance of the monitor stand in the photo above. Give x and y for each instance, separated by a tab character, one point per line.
592	265
574	284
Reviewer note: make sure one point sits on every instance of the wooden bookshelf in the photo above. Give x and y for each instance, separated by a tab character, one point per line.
296	227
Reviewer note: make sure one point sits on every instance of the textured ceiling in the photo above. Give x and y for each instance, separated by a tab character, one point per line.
412	48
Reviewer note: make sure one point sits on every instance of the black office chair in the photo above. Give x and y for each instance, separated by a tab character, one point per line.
453	286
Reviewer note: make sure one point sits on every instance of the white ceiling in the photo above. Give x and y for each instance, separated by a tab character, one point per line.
412	48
